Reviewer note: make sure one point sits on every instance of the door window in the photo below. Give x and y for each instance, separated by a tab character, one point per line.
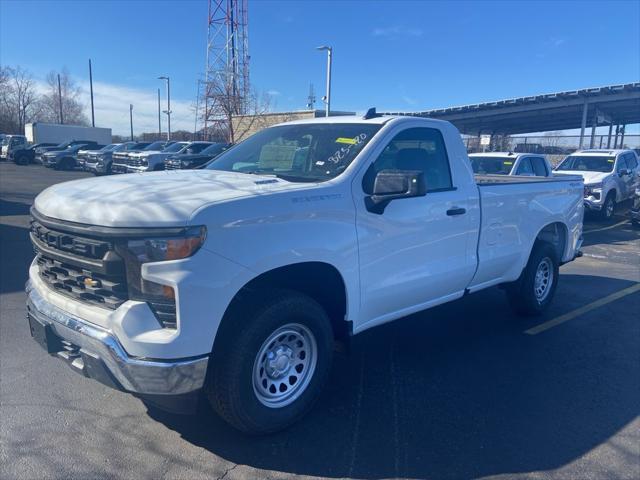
419	149
525	168
539	166
622	163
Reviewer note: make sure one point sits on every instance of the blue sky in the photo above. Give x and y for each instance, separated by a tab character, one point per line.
393	55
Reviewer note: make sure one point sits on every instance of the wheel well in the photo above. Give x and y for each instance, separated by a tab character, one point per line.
318	280
613	192
554	234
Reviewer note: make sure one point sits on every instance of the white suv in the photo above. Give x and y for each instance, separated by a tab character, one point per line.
610	177
510	163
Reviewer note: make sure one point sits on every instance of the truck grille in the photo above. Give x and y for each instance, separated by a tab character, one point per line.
173	165
86	269
135	162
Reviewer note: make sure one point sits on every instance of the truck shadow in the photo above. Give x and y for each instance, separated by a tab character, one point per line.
459	391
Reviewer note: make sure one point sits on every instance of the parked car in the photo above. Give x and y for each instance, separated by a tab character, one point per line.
610	177
236	279
40	151
121	160
11	143
634	213
99	162
27	155
83	153
183	161
154	161
65	159
510	163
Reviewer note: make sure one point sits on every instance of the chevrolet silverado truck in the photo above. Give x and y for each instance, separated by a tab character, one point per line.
510	163
121	160
154	161
610	177
231	283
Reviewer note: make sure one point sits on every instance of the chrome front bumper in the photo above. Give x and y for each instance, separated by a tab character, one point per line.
96	353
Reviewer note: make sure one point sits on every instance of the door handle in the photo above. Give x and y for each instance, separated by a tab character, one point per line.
456	211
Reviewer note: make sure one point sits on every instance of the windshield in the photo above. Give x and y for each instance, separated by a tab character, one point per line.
176	147
587	163
298	153
214	149
155	146
492	165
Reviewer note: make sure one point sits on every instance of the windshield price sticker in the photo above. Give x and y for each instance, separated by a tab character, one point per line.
344	151
350	141
508	163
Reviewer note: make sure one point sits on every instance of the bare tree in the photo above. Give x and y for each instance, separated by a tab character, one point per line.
19	102
223	104
72	108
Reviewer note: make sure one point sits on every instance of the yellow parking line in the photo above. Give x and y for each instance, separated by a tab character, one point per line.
606	228
582	310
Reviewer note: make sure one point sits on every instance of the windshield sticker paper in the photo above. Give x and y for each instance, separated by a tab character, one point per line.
349	141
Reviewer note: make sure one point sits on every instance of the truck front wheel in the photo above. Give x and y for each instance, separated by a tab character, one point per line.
271	362
532	293
22	159
608	208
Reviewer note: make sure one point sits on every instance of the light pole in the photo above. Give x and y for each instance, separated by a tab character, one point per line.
327	98
131	119
168	110
159	121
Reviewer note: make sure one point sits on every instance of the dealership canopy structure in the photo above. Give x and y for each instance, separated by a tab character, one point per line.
613	105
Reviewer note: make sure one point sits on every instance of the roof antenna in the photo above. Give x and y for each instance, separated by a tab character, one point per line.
371	113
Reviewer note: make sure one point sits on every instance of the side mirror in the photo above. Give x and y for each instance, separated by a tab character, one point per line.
623	172
391	185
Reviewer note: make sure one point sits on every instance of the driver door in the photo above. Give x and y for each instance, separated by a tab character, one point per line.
415	253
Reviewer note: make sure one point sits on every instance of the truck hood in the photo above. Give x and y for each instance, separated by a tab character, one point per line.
588	177
155	199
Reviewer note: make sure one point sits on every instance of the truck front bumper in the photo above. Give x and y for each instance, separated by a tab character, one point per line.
593	204
96	353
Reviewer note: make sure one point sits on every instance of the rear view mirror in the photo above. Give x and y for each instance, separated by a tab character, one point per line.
391	185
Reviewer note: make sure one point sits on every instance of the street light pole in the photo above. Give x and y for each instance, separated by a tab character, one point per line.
60	100
327	98
131	119
159	121
168	110
93	117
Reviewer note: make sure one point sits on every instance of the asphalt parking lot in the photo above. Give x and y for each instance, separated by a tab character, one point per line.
465	390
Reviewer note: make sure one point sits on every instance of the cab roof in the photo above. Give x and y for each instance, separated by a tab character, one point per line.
601	151
504	154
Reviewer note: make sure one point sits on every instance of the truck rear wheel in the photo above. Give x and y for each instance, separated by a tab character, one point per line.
271	362
533	292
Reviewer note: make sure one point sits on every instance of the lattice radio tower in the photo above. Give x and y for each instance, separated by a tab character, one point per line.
227	71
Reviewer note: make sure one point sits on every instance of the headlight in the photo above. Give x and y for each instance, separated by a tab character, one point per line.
186	163
170	248
136	252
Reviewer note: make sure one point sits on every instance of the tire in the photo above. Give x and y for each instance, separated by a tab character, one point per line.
22	160
258	396
65	164
531	294
608	207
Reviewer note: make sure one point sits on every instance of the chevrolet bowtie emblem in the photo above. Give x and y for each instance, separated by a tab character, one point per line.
90	282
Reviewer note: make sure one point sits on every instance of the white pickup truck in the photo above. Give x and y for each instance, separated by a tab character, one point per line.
236	279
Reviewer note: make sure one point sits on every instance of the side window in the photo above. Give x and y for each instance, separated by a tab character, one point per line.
622	163
417	149
525	168
539	167
632	161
